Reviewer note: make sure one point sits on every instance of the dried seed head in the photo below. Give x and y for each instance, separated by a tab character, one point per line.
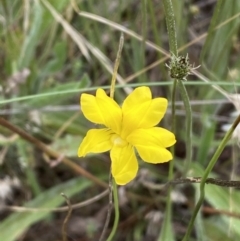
179	67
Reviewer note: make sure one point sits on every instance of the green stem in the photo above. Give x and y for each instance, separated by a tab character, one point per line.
112	183
116	208
166	227
188	110
205	176
168	8
173	128
174	89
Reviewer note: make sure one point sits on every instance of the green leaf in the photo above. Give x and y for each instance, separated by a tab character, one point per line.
50	100
216	229
206	140
40	23
17	223
32	39
56	64
220	198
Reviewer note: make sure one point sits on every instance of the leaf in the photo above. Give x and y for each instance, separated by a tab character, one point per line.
57	99
219	198
17	223
57	62
40	23
216	230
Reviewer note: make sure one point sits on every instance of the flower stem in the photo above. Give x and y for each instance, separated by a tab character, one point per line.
171	165
116	65
170	21
169	13
112	183
205	176
165	230
168	8
116	209
105	227
188	110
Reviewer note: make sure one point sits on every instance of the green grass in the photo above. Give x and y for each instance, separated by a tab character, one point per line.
69	52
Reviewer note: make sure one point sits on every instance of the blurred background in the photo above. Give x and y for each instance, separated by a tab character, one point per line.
50	52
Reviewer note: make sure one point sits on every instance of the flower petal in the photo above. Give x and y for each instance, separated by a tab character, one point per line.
152	136
150	144
124	164
102	110
96	141
154	155
140	94
141	111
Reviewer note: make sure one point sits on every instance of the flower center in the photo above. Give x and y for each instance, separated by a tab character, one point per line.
118	141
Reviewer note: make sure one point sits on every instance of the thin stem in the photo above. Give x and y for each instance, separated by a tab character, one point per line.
61	209
205	176
173	128
64	226
168	8
111	180
165	232
167	4
109	211
192	180
173	109
116	208
116	65
142	55
188	110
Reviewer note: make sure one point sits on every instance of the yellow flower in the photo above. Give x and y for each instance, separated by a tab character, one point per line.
128	128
